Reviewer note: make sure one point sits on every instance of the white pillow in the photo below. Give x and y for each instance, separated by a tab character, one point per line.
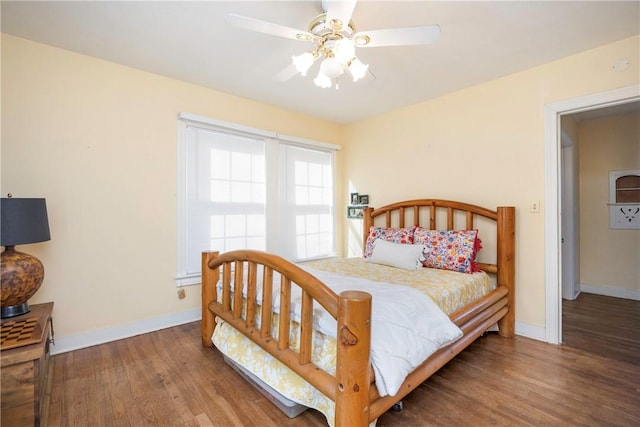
400	255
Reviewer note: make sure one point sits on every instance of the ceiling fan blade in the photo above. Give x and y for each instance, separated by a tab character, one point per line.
423	34
265	27
368	78
286	74
340	10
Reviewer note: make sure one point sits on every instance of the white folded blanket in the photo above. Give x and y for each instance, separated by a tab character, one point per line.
406	325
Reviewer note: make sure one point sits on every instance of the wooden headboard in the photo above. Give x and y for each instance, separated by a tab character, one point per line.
437	214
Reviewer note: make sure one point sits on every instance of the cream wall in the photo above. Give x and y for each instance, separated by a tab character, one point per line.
608	257
98	141
484	145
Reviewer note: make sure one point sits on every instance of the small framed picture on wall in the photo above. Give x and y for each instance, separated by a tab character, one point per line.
354	212
355	199
363	199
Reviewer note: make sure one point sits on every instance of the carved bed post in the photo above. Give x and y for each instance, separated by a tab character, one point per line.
209	281
367	222
352	365
506	266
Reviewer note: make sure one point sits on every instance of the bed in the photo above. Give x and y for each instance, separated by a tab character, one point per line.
234	285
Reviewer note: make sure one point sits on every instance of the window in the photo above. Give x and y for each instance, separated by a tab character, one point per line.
306	203
241	188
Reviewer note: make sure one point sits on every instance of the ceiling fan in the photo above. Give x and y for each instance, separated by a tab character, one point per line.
335	39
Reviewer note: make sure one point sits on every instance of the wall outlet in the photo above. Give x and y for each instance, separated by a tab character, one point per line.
535	206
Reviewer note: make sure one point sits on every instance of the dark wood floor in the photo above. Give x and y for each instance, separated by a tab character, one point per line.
166	378
607	326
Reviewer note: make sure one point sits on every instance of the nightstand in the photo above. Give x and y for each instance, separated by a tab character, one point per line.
26	376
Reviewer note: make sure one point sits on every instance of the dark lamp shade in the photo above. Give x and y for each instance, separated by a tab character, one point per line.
23	221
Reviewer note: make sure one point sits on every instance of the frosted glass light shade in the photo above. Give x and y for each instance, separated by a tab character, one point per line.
357	69
322	81
331	68
303	62
344	51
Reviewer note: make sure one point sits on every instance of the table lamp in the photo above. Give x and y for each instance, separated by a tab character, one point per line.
23	221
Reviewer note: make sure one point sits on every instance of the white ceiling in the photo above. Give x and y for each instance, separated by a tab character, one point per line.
190	41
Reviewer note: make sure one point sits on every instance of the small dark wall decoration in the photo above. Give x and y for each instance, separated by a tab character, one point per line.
355	211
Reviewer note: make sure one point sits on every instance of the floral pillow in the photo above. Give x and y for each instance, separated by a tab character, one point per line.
453	250
395	235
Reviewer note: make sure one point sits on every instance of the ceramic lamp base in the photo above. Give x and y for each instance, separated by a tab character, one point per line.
14	310
21	277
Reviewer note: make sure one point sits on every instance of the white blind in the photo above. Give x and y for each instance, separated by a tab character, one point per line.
306	203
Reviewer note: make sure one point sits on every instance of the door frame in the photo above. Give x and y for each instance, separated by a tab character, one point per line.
552	194
569	242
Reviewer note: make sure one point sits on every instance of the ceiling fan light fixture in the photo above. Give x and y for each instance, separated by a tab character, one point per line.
344	50
361	40
335	39
303	62
304	37
331	68
336	24
357	69
322	81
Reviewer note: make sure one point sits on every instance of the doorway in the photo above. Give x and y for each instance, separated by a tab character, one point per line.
554	191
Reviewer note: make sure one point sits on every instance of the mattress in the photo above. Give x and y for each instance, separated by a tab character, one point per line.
449	290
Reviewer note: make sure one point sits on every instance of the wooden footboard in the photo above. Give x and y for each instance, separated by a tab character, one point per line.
349	388
352	388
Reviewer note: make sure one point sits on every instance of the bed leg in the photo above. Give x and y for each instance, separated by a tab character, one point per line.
209	281
352	365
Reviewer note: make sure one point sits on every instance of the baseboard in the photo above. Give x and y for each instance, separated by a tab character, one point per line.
531	331
610	291
88	339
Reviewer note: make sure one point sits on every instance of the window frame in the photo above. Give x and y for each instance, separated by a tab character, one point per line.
273	143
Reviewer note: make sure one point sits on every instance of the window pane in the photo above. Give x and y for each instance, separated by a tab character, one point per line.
301	247
240	192
258	193
220	191
315	196
312	224
236	225
257	168
217	226
301	173
255	225
313	245
325	223
302	195
257	243
217	245
236	243
315	174
240	166
219	161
